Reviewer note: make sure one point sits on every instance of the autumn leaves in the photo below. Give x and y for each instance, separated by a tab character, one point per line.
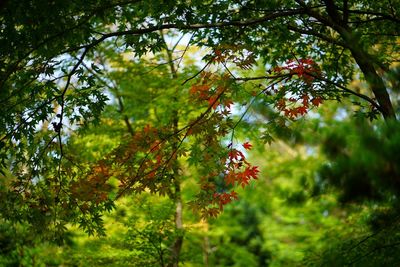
292	96
144	163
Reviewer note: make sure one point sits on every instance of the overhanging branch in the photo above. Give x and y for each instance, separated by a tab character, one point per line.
321	78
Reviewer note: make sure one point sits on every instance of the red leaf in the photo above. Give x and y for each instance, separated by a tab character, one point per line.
234	195
230	179
247	145
228	103
235	155
199	88
251	172
281	104
305	100
316	101
302	110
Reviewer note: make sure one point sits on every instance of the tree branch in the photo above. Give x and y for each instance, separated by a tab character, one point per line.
347	90
345	12
197	26
317	34
45	41
332	11
114	88
379	14
343	88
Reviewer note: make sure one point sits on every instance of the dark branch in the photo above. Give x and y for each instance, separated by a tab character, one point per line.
198	26
345	12
378	14
318	35
343	88
332	11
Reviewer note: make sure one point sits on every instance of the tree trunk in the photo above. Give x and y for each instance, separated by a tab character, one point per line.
362	58
375	82
177	197
206	245
177	246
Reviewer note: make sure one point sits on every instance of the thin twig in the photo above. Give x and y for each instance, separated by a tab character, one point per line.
200	71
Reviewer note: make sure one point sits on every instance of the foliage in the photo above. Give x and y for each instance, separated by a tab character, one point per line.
363	168
97	105
20	247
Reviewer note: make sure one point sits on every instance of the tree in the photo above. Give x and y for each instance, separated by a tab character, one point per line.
304	53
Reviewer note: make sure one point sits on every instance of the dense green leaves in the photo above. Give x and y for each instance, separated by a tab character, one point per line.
105	99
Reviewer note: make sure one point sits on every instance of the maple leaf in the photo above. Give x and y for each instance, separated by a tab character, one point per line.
228	103
235	155
224	198
147	128
210	212
277	69
281	104
306	60
213	101
305	100
151	174
234	195
316	101
243	179
247	146
302	110
230	179
199	88
251	172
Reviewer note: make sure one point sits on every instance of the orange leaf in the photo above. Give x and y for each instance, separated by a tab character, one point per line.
199	88
213	101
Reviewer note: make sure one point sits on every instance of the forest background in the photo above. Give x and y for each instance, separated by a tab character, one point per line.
199	133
